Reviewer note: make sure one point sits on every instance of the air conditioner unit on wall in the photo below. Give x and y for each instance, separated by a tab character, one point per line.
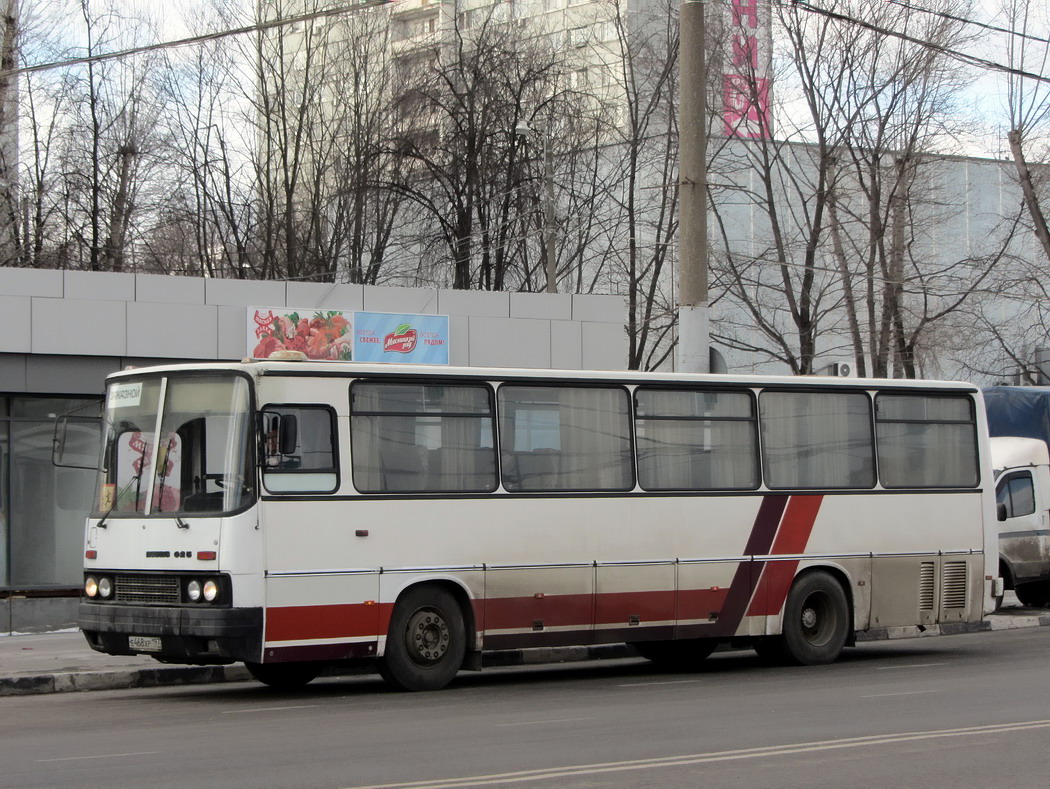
840	370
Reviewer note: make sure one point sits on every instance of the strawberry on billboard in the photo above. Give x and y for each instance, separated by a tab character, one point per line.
400	338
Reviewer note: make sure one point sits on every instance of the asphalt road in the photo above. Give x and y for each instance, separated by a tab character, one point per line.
953	711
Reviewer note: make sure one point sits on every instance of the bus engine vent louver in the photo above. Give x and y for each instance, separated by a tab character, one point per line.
926	579
147	589
954	585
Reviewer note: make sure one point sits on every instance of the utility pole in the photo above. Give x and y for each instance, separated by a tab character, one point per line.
549	249
693	322
9	203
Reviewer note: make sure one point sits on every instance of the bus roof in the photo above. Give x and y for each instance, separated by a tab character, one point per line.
354	369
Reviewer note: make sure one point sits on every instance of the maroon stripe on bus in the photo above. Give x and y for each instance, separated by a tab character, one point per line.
758	543
792	539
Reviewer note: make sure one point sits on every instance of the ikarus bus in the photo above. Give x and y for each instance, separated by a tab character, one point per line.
300	515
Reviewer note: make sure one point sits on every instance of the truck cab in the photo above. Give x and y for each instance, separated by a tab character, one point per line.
1022	495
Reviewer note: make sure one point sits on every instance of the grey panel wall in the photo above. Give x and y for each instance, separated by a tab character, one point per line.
64	331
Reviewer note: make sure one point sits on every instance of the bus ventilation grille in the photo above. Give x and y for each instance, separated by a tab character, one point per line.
954	595
147	589
926	579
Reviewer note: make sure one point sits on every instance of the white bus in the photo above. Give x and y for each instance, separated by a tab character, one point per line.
294	515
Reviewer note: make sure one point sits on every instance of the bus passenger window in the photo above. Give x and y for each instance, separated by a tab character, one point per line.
298	449
701	440
422	438
817	440
565	438
926	441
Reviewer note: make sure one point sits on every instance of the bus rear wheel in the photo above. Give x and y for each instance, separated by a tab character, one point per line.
426	642
816	620
284	676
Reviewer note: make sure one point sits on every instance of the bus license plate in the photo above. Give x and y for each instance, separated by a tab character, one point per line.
145	643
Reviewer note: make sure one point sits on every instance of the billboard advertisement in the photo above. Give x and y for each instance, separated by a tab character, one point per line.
400	338
337	335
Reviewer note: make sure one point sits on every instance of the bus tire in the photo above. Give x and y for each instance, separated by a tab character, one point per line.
816	620
426	641
686	654
284	676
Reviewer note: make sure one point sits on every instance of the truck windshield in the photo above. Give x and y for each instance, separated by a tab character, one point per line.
176	445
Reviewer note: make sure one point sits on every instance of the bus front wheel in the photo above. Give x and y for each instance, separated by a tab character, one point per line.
426	642
816	620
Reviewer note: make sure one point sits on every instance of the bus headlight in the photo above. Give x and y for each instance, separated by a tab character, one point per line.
211	590
193	590
105	588
90	586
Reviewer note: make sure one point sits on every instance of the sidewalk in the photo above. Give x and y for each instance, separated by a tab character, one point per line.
62	661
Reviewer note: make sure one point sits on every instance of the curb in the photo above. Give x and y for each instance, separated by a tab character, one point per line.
165	676
121	679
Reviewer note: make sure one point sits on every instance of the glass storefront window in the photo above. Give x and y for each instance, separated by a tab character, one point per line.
42	507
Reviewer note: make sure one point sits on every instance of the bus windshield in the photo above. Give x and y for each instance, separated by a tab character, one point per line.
176	445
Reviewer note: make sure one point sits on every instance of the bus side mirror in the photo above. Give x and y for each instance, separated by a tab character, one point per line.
288	434
1000	512
76	442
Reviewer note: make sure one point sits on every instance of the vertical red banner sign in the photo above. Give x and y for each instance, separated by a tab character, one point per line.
745	91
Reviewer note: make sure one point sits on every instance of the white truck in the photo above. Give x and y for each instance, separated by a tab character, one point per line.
1022	494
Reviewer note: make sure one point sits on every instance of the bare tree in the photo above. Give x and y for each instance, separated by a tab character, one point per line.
467	168
1028	106
846	211
646	200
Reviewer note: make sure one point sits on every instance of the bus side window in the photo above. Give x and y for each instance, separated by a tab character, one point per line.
298	449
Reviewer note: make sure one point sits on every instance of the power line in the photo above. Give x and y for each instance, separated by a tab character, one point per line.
974	22
258	27
960	56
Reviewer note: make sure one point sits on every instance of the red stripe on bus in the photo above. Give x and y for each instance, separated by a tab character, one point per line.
357	620
620	607
347	620
560	610
792	538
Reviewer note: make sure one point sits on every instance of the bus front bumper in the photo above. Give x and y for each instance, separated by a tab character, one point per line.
174	634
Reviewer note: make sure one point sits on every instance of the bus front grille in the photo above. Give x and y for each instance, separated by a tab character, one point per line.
147	589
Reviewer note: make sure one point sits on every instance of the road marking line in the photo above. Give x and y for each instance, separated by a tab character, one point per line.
271	709
913	665
668	682
705	758
544	723
99	756
902	693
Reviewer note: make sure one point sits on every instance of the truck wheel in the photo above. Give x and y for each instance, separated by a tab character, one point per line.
426	642
1035	595
816	620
